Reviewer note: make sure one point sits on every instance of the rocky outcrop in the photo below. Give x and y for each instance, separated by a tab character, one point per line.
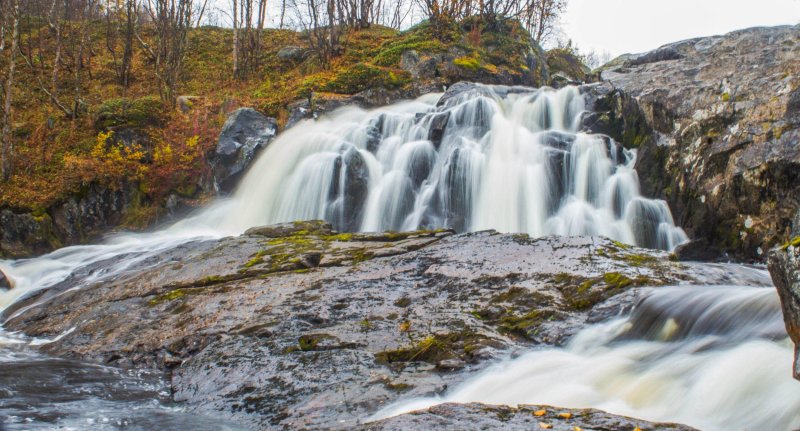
522	418
298	326
6	282
76	220
507	57
566	68
245	133
716	121
784	267
292	53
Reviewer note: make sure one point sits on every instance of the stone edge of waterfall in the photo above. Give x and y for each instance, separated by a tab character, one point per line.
784	266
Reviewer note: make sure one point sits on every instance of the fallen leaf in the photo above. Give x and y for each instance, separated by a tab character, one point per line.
545	426
565	415
577	429
541	413
405	326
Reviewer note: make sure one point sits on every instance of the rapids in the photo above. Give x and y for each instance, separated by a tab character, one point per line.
713	357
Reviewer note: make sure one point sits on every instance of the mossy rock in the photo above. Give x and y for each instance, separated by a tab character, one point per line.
354	79
566	62
130	113
584	293
434	348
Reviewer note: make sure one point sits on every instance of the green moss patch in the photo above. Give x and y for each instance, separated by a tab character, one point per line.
130	113
433	349
584	293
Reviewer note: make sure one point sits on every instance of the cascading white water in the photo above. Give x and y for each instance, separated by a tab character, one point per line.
501	158
514	162
716	358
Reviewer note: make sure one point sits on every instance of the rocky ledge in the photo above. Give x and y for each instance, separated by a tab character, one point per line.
298	326
784	267
716	121
522	418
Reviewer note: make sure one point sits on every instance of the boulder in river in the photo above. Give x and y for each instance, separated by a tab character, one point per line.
245	133
784	266
5	281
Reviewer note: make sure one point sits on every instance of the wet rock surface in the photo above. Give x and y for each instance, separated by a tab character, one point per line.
78	219
245	133
480	417
5	282
784	266
716	121
298	326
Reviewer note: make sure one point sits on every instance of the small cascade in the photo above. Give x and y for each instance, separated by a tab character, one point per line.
715	358
509	159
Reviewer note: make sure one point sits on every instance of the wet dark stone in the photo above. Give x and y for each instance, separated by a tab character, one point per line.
5	282
348	191
699	250
438	124
784	267
245	133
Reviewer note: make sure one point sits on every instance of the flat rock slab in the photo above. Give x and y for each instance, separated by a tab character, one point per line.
473	416
303	327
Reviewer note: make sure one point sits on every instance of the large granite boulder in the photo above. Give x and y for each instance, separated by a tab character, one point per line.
297	326
716	121
784	266
245	133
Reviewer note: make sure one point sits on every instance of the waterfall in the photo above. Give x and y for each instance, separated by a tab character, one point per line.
505	158
716	358
513	160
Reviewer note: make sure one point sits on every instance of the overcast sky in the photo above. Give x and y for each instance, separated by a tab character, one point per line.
631	26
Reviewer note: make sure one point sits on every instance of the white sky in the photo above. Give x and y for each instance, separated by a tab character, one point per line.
632	26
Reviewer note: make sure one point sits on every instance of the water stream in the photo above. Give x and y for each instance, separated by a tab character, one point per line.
713	357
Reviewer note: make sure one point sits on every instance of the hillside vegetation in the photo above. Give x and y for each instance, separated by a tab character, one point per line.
128	138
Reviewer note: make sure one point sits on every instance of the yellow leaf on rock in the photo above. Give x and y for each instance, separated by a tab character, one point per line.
637	429
565	415
577	429
540	412
545	426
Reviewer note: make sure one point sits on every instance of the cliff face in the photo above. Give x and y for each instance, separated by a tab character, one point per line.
717	124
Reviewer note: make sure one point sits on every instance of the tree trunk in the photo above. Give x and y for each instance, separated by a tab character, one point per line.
7	153
235	40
